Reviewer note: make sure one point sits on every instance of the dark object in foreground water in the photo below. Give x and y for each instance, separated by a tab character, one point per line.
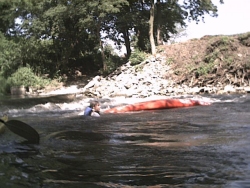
22	129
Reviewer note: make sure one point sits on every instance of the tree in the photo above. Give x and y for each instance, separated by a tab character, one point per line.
168	14
8	15
180	33
175	14
158	21
164	15
10	56
196	9
100	10
56	36
151	28
72	38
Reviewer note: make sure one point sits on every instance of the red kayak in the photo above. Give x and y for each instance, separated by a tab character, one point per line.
156	104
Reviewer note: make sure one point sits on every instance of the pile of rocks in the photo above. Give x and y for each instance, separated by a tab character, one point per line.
150	78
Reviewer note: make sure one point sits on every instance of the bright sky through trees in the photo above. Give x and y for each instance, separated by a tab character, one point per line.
233	19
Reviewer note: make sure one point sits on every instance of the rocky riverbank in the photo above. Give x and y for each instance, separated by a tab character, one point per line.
149	79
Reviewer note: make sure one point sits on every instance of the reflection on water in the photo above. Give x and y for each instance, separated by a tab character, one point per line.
188	147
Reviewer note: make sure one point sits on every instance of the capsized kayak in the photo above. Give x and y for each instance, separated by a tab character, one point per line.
156	104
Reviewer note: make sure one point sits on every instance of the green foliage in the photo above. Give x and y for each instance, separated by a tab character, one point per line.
169	61
112	60
220	48
10	56
205	68
137	57
229	60
24	76
245	39
7	9
3	85
58	36
112	64
41	56
211	57
223	43
225	40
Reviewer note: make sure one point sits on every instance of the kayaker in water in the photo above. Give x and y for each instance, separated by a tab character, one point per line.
93	109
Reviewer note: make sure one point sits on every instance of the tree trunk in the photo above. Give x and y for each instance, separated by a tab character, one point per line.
127	42
151	28
104	65
158	17
103	56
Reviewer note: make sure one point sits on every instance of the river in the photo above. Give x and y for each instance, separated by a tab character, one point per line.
201	146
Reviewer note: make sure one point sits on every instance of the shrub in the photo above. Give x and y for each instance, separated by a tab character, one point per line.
244	39
205	68
3	85
24	76
137	57
112	62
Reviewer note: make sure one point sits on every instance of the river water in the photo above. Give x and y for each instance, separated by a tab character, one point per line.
201	146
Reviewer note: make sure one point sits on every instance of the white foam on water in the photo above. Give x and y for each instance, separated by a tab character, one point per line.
80	105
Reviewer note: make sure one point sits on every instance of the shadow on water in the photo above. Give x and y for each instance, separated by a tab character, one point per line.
188	147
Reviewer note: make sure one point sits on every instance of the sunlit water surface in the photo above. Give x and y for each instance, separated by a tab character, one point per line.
202	146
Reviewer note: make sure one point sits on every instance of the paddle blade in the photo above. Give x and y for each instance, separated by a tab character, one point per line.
2	121
2	128
24	130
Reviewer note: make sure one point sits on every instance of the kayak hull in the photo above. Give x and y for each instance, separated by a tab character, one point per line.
156	104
